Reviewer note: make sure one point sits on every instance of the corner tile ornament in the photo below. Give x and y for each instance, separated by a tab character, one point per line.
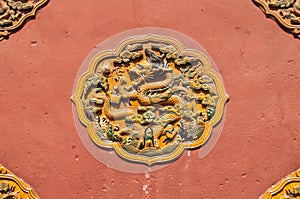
285	12
14	13
287	188
150	99
11	187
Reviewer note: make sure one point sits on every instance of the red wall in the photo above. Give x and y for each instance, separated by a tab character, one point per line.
258	61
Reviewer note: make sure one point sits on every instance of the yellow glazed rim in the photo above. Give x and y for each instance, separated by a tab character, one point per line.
223	97
6	31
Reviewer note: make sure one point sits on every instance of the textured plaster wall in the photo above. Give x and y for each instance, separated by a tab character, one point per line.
258	61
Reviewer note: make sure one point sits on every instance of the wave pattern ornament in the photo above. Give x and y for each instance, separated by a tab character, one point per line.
285	12
150	99
11	187
14	13
287	188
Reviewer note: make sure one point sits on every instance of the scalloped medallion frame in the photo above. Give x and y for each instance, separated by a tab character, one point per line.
12	187
14	14
77	98
287	188
285	12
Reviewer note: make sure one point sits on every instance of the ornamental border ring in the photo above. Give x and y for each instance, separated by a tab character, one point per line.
16	15
285	13
149	39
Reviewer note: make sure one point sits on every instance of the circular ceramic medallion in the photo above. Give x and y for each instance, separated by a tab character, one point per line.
15	13
149	99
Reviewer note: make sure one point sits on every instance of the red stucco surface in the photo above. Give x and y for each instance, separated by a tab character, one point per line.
258	61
